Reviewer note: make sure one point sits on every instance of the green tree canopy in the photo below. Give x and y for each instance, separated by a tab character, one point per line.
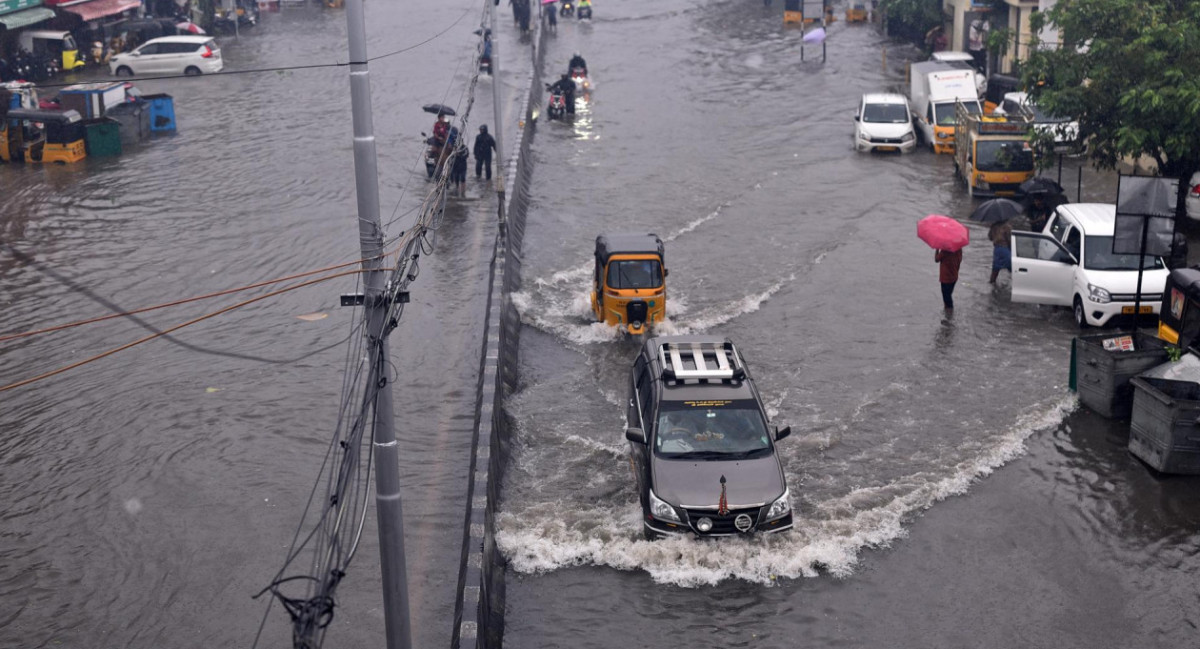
1129	71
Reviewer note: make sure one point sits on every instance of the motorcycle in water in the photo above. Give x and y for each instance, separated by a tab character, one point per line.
580	77
567	8
485	65
433	155
584	12
557	108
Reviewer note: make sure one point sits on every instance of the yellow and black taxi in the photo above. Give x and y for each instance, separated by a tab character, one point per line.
629	287
702	448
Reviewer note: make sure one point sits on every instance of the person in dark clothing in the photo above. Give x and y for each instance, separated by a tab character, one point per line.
484	144
458	170
1179	251
566	86
577	62
949	261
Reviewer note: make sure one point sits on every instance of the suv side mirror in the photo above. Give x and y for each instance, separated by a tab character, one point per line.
856	117
635	435
781	433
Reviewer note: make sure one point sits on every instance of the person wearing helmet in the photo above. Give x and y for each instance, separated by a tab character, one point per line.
566	86
577	62
484	144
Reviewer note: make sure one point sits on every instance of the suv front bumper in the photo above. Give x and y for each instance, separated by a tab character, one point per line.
662	529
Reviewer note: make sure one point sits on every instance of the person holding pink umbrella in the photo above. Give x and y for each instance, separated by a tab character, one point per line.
947	237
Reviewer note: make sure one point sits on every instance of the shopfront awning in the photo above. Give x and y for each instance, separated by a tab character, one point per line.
94	9
25	17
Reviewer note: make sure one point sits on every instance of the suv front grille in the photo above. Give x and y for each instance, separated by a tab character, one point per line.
722	524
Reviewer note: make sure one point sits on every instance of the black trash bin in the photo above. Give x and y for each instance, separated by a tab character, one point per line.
134	117
1102	375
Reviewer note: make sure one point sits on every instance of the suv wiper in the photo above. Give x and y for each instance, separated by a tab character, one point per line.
700	455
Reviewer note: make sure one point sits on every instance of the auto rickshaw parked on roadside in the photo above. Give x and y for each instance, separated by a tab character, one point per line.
1179	317
629	283
59	45
60	138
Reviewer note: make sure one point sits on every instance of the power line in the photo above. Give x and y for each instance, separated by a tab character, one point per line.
286	68
177	327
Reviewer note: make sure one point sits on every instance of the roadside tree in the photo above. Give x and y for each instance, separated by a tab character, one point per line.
1127	71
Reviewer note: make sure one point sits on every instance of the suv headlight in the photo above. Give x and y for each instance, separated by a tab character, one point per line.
781	506
907	137
660	509
862	135
1097	294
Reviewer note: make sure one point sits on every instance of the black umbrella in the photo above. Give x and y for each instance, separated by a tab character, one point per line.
1039	185
438	109
996	210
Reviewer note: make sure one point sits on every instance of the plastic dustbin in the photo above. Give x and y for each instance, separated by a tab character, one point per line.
135	121
162	113
102	137
1164	429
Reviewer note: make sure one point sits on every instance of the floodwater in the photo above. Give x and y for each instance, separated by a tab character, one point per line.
149	495
948	491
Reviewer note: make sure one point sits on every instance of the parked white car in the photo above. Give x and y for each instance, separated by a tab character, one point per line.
190	55
884	123
1064	129
1071	263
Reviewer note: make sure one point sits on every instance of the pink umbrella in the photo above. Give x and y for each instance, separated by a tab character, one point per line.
549	2
943	233
189	27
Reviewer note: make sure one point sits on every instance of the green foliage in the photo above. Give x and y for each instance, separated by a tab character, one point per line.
1174	353
1129	71
912	18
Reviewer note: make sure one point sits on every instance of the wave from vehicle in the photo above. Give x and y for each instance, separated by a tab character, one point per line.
600	524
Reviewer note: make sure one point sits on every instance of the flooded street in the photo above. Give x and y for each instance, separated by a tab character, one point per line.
707	129
948	490
149	495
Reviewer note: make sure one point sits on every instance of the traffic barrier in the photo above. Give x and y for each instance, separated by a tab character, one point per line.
479	604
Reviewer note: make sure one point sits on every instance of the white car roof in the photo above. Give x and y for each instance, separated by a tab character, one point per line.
884	98
1095	219
198	40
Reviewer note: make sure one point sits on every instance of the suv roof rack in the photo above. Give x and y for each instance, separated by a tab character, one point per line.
700	360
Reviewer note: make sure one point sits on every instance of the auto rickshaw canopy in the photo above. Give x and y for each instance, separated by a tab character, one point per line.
1179	315
623	243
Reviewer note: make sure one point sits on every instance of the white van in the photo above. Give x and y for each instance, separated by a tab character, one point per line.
190	55
1071	263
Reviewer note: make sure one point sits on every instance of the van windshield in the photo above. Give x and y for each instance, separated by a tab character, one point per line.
885	113
1098	255
944	114
993	155
634	273
715	430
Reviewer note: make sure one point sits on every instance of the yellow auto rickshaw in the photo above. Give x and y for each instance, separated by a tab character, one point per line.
1179	315
629	284
28	135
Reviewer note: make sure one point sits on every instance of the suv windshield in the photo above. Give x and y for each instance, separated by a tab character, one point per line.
1098	255
634	273
711	430
885	113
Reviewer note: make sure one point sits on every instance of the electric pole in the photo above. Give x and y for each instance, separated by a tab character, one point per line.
376	302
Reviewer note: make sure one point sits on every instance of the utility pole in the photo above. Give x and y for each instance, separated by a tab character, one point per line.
497	111
376	303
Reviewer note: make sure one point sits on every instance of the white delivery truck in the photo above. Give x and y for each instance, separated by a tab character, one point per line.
935	88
